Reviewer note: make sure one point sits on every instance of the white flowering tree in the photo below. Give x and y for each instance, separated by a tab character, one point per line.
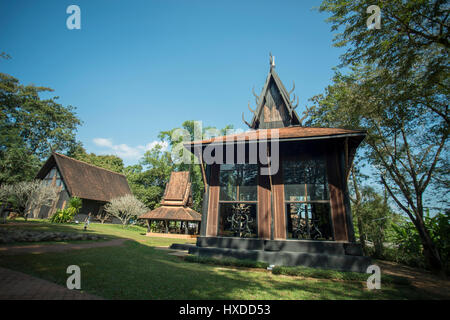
126	208
26	196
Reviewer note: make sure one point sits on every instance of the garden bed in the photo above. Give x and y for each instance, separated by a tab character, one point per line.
13	236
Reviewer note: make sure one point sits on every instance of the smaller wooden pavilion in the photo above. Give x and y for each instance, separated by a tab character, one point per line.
175	206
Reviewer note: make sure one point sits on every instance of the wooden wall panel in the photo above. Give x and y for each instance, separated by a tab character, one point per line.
337	204
278	205
264	210
213	204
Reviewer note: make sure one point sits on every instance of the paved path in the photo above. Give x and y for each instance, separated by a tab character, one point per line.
19	286
419	278
44	248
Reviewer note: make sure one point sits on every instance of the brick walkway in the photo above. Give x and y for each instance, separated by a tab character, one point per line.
19	286
44	248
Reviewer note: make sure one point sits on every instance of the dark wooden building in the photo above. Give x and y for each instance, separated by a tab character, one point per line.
74	178
298	211
175	207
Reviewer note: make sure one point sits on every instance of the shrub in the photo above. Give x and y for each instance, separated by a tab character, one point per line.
63	216
26	196
75	203
126	208
66	215
409	249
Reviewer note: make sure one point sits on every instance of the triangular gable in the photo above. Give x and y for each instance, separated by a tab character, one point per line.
86	181
178	190
274	109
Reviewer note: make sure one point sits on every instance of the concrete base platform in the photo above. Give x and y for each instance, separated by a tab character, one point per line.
182	246
341	256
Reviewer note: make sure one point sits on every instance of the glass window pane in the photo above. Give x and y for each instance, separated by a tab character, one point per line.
294	192
317	192
305	174
51	173
308	221
237	220
242	177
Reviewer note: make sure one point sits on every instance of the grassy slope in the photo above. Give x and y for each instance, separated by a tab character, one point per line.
139	271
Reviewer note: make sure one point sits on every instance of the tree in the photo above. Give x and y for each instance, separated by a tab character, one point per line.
148	179
126	208
375	216
30	128
67	214
28	196
109	162
405	141
413	38
398	89
193	132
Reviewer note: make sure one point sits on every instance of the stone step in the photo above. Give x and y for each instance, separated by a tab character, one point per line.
286	258
306	246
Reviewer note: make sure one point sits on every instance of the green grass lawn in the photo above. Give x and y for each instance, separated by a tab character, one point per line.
139	271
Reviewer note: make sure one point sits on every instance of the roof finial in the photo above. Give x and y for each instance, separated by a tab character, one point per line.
272	60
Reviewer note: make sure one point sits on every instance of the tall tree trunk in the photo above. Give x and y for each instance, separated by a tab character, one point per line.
357	211
362	238
429	248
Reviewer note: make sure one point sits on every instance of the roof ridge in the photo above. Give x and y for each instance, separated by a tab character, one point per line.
89	164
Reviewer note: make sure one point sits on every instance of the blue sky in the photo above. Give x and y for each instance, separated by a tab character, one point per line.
139	67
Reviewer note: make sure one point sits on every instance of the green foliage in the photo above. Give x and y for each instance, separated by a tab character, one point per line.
409	248
148	179
29	128
67	214
63	216
109	162
373	216
132	269
75	203
397	89
413	33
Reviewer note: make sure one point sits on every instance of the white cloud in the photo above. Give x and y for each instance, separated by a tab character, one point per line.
125	151
102	142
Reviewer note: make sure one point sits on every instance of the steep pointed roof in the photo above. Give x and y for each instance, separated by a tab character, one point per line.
176	201
274	108
85	180
178	190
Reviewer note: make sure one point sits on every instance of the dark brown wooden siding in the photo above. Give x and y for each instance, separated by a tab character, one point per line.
278	206
213	205
336	196
264	210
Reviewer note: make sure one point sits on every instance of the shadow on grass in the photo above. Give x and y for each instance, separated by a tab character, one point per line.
138	271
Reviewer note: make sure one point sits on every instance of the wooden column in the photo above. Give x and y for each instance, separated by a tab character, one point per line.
264	207
338	216
278	206
213	203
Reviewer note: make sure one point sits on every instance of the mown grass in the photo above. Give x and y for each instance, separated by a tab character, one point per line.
298	271
137	270
227	262
108	231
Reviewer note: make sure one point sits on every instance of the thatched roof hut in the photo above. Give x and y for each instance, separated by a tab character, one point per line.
94	185
176	202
